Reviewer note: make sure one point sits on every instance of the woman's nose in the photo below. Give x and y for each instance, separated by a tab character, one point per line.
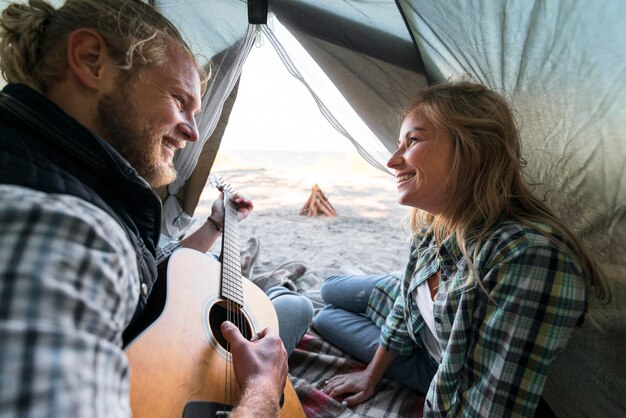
395	159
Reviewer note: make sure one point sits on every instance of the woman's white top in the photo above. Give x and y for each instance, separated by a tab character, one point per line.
425	305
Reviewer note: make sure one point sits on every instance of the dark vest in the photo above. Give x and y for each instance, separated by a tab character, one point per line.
44	149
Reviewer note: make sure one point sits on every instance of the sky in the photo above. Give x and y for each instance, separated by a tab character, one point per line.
274	111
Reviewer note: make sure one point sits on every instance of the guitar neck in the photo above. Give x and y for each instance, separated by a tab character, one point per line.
232	287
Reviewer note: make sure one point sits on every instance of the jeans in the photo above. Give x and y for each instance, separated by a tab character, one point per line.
343	323
294	312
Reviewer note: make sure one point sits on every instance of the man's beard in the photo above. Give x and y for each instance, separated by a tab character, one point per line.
120	124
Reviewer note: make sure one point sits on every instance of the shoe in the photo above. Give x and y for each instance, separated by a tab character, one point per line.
275	278
249	255
284	275
294	269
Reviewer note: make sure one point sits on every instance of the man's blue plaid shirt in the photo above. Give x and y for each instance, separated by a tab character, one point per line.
69	286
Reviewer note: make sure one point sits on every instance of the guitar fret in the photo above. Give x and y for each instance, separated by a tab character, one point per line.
234	270
232	287
235	297
232	251
233	292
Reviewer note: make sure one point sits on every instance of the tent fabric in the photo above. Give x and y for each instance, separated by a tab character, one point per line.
225	67
367	52
562	64
322	90
188	197
361	48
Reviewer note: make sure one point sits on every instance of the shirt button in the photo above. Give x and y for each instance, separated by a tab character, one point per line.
438	320
144	289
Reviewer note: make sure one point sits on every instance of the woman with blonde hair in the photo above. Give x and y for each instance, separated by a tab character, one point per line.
495	284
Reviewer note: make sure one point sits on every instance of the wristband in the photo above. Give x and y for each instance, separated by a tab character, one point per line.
215	224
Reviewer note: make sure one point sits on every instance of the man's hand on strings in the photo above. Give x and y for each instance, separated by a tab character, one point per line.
262	360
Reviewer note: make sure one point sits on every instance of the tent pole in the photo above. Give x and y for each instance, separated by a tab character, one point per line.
257	12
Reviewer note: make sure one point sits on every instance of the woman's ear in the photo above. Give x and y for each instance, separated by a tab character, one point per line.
88	58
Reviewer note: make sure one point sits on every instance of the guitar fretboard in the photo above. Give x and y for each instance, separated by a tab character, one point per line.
232	288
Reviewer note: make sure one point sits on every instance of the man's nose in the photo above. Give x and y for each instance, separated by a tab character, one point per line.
190	130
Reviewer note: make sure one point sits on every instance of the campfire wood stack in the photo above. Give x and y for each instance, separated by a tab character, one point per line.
318	204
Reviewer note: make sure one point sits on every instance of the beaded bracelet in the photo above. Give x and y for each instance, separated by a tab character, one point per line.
215	224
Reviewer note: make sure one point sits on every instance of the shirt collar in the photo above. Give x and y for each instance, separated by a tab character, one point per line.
450	249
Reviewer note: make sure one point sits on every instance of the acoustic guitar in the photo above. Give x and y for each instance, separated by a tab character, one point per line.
181	365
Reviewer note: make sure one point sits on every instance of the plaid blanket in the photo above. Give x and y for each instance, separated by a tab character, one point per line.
316	360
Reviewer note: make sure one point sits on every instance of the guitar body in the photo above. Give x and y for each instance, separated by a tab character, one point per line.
182	357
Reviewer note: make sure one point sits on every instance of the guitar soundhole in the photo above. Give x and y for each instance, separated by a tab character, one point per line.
222	311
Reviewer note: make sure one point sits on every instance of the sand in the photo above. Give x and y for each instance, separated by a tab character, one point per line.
368	236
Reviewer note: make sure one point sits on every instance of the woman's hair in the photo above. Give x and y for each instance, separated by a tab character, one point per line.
33	37
486	184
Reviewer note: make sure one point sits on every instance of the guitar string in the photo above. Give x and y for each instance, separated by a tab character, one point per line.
228	307
237	259
233	285
233	307
227	231
229	372
231	227
230	223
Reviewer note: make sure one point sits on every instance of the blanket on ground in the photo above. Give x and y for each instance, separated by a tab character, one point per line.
316	360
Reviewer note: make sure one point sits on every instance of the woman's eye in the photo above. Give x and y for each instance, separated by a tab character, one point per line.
411	141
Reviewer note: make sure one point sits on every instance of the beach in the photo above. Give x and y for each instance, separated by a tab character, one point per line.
368	235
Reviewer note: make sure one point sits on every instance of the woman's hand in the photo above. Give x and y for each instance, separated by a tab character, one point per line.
360	384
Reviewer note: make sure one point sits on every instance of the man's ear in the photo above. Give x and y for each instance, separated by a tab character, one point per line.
88	57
